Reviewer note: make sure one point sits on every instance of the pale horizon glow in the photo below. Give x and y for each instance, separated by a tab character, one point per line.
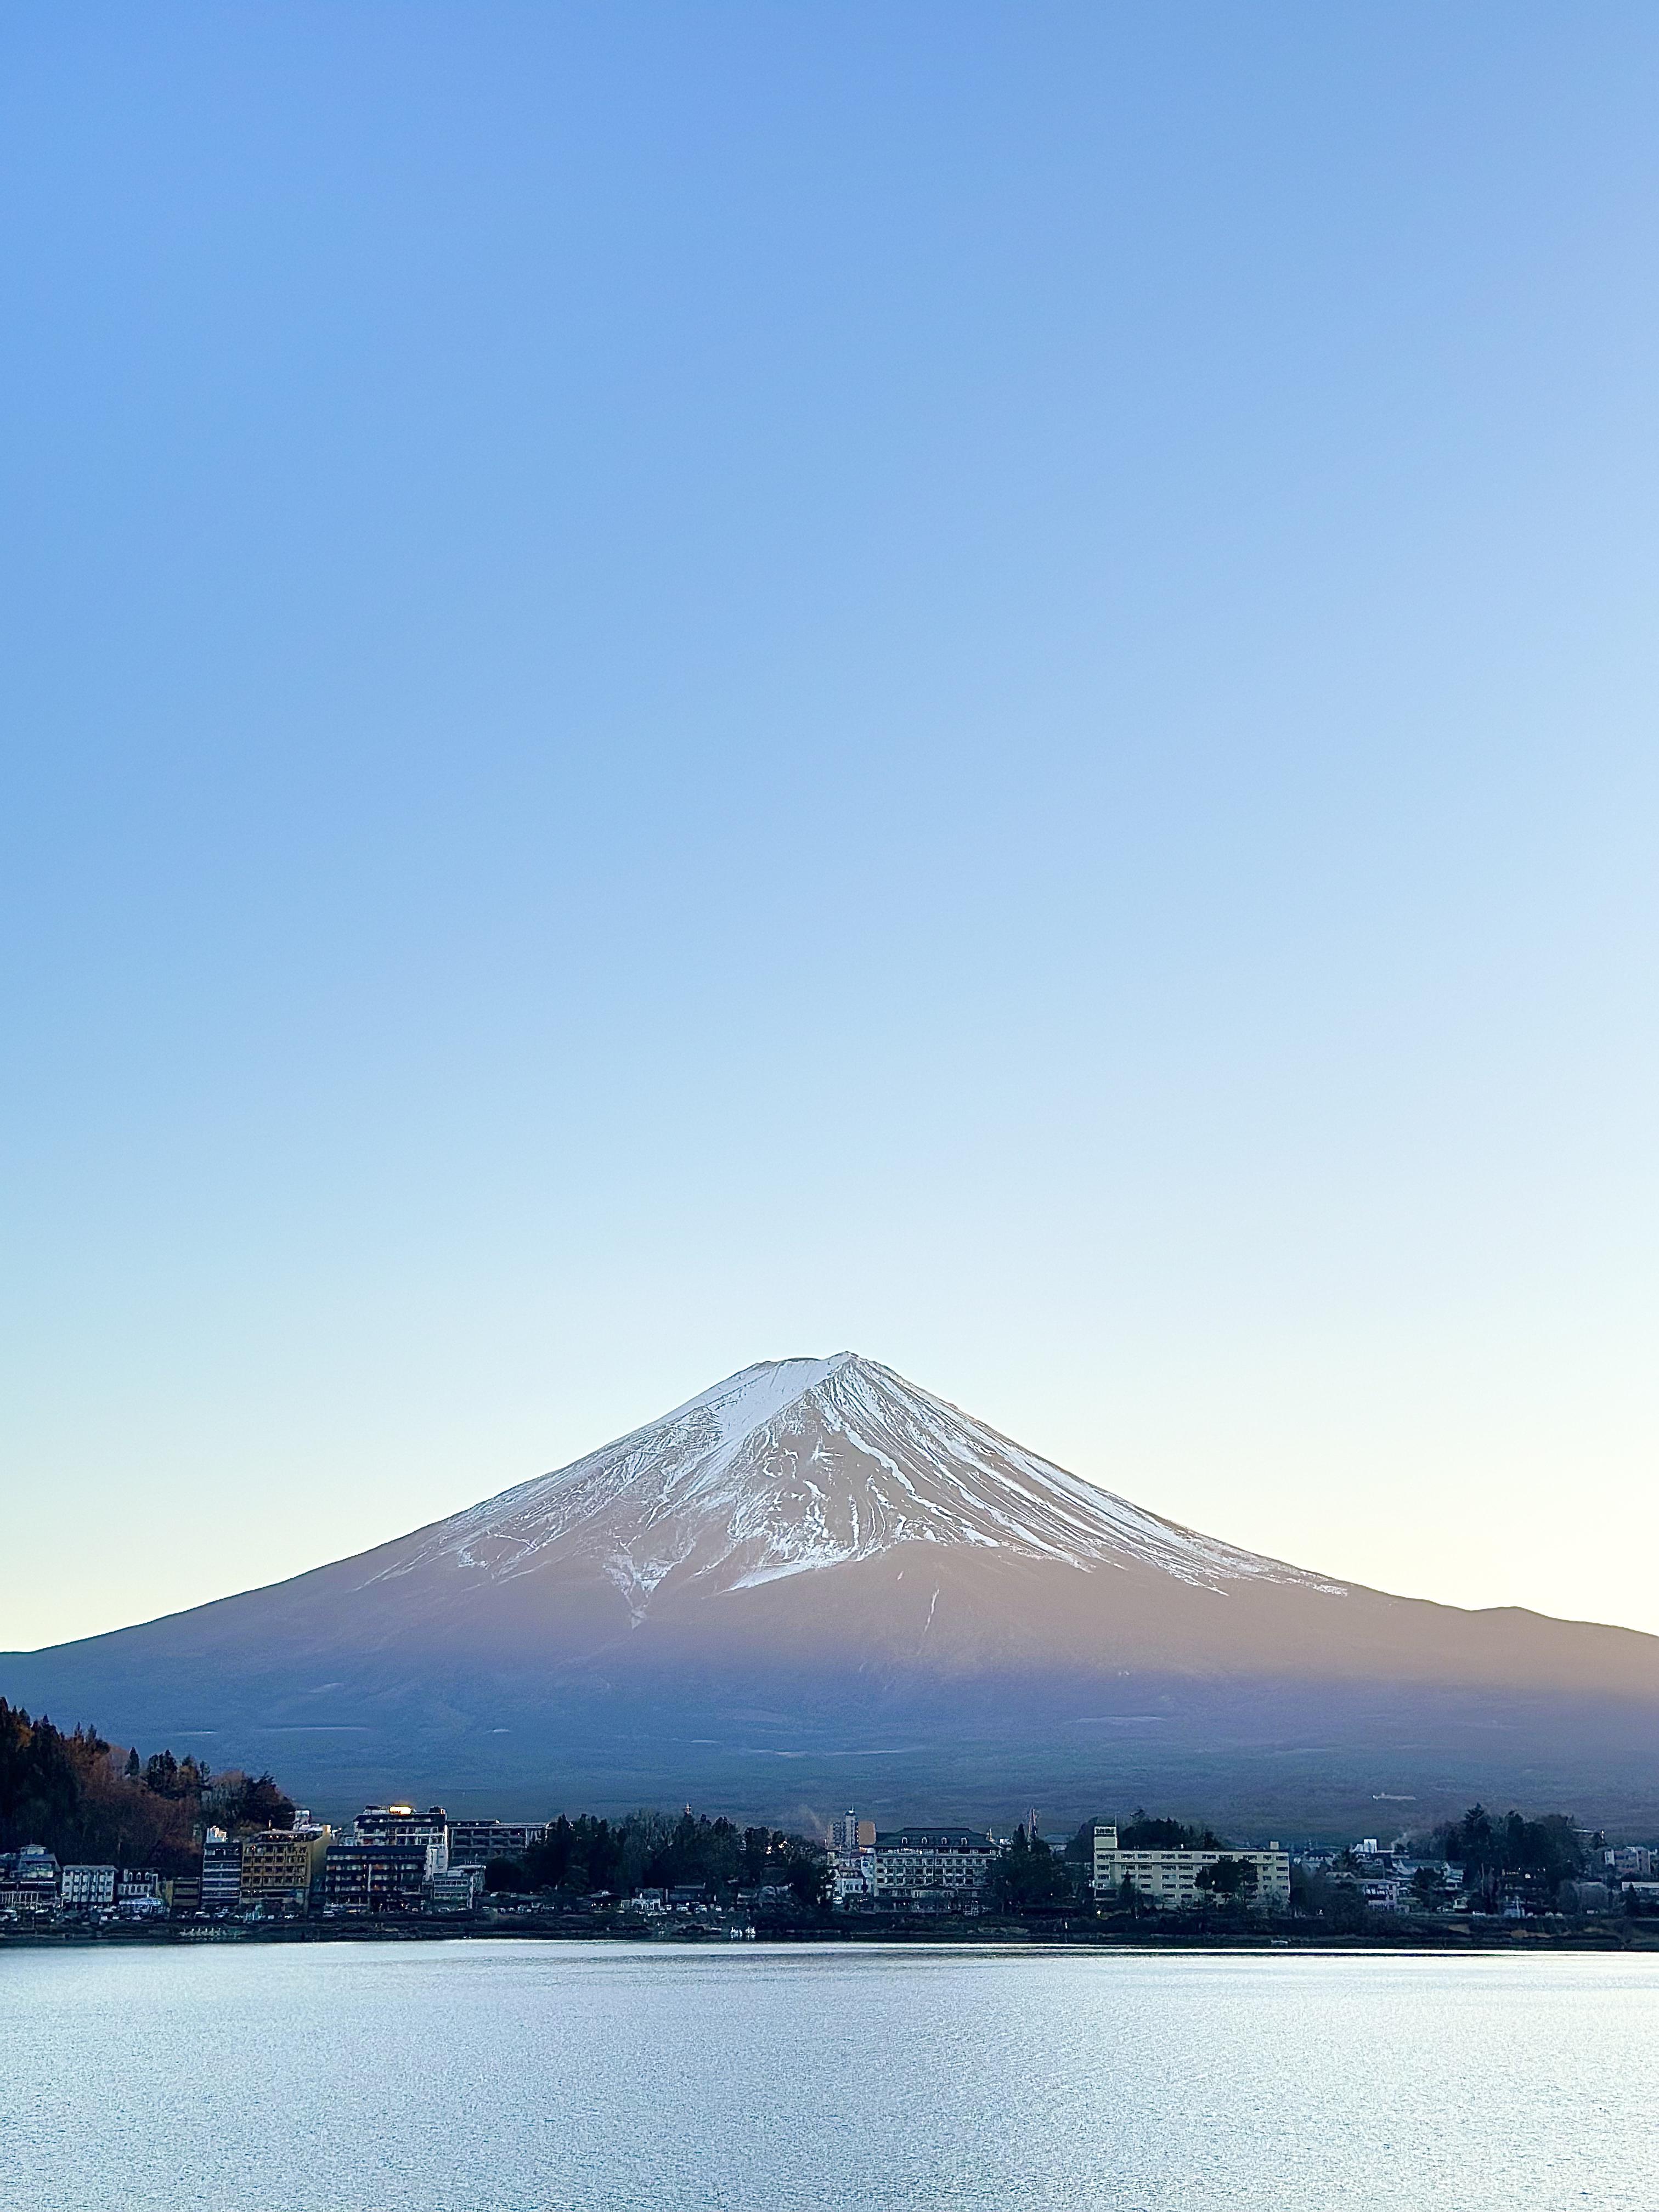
973	682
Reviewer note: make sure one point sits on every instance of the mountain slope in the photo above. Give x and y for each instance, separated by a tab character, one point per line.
817	1580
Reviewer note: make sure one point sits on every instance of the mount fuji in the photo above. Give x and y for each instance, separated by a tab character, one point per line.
816	1584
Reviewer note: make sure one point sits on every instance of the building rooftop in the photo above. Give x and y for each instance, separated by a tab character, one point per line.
934	1836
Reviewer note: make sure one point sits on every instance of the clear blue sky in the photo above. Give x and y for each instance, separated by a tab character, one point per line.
685	683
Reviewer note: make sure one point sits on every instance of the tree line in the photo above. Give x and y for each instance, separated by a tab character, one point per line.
1549	1851
87	1802
659	1851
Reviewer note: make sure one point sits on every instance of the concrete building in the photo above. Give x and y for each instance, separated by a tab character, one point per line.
475	1842
457	1890
31	1873
17	1904
364	1879
851	1834
849	1878
221	1872
384	1864
851	1847
84	1887
141	1893
1630	1862
929	1868
404	1824
283	1866
1170	1878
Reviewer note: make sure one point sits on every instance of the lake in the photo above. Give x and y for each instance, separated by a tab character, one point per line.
556	2077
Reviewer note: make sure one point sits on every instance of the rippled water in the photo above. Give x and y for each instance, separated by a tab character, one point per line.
527	2077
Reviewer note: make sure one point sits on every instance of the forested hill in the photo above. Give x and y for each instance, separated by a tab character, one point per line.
88	1802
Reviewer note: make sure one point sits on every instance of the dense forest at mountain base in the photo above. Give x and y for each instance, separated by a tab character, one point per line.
89	1802
657	1850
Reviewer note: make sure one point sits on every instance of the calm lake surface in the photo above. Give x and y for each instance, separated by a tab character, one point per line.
554	2077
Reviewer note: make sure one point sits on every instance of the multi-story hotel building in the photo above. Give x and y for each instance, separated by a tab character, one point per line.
361	1878
1170	1878
28	1880
475	1842
221	1872
83	1886
928	1869
283	1866
404	1824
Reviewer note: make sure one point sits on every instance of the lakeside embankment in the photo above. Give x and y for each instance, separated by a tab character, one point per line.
1442	1936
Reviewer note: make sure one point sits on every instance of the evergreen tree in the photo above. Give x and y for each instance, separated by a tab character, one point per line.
1227	1878
1030	1877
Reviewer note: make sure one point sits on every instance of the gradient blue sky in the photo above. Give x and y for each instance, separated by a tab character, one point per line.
690	684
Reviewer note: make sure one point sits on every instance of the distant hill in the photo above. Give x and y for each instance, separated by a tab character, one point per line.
814	1585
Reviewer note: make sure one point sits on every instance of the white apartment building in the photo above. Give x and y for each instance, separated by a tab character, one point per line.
88	1885
1170	1878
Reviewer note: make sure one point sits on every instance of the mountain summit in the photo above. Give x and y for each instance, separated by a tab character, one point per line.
796	1465
815	1583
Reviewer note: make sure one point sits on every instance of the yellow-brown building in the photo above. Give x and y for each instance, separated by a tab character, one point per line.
281	1865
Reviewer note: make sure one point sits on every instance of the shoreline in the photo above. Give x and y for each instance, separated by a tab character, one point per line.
1420	1940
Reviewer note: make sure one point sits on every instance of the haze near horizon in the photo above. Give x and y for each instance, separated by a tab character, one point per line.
691	686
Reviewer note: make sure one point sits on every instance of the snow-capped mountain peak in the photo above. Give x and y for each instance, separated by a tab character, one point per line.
795	1465
815	1585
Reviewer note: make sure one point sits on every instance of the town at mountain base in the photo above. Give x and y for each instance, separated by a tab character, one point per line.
816	1582
100	1845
